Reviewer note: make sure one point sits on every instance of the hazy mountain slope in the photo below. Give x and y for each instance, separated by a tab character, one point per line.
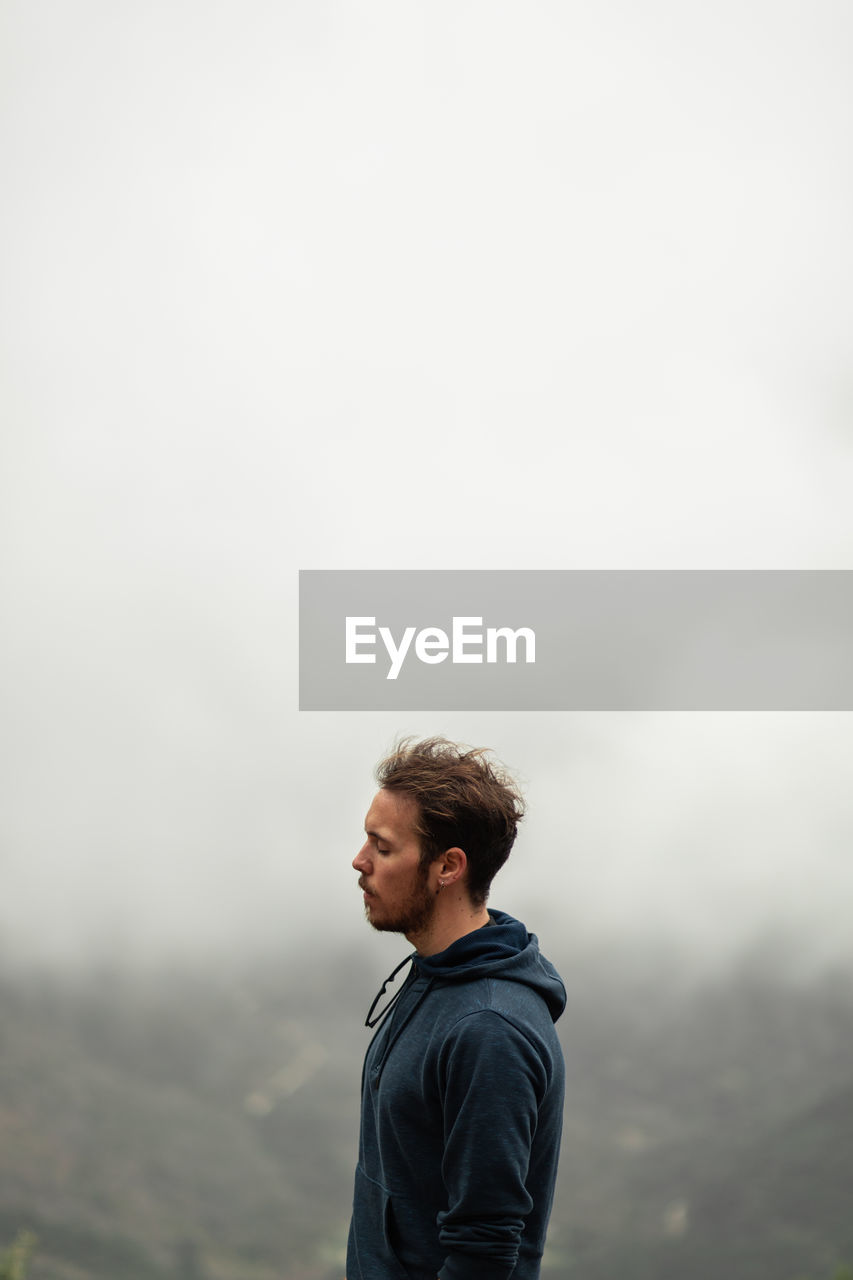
202	1126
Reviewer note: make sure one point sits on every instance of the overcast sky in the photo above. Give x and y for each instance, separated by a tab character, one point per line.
407	285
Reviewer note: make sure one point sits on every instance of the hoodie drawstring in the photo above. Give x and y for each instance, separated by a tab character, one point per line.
370	1020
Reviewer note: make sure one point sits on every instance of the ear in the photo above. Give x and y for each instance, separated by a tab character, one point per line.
452	865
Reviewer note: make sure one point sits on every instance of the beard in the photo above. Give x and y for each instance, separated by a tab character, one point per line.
410	917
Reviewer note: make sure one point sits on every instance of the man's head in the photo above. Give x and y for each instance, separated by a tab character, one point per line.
460	799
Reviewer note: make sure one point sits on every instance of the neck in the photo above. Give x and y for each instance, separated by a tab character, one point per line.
453	918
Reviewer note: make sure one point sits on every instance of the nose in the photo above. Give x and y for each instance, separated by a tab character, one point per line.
361	861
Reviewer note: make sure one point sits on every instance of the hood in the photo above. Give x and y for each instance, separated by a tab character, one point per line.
503	949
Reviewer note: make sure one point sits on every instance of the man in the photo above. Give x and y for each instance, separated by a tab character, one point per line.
462	1089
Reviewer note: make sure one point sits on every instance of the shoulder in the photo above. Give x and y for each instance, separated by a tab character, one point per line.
502	1020
484	1048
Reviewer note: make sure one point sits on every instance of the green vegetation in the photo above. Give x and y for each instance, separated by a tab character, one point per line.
843	1272
15	1261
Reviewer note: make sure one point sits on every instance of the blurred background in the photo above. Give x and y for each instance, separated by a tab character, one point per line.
407	285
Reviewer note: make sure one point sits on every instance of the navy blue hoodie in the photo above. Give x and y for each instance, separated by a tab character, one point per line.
462	1104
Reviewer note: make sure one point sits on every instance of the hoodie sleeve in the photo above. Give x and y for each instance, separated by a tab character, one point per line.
492	1079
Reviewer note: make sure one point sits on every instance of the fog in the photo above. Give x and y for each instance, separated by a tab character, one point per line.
407	286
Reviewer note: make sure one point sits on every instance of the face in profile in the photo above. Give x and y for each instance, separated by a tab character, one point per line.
397	895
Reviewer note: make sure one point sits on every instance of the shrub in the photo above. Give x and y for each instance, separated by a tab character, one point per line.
15	1261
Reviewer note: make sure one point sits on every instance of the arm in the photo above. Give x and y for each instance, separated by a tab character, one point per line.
492	1081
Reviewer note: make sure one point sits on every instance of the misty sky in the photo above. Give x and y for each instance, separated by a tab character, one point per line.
407	285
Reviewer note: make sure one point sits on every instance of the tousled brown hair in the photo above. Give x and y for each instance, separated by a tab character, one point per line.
462	798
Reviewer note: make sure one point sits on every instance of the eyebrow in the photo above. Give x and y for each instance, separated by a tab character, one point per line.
377	836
